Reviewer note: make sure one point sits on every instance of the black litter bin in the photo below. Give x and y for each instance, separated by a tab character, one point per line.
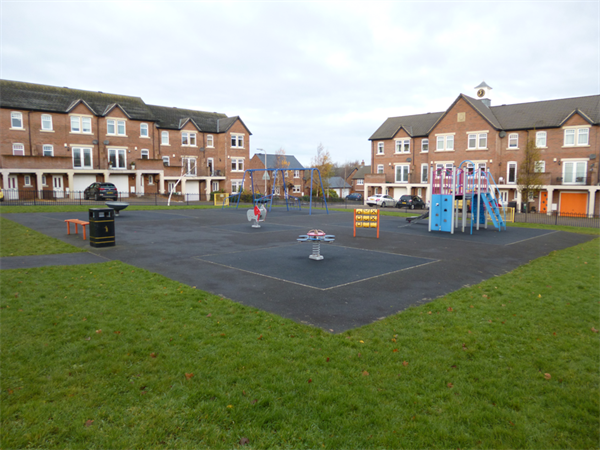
102	227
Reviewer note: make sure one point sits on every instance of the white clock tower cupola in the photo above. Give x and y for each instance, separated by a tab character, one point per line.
483	93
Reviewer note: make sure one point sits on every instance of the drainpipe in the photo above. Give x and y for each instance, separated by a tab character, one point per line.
29	132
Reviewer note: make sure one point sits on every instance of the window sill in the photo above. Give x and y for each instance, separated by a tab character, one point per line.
576	146
86	133
144	137
46	131
444	151
513	148
477	149
17	129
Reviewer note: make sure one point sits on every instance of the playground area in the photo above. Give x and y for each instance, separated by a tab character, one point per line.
359	280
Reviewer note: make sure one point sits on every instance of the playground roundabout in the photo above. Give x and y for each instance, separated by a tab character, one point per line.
358	280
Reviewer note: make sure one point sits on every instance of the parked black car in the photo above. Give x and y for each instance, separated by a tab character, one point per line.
98	191
411	202
355	196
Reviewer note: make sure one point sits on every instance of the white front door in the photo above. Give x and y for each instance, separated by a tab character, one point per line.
57	186
13	188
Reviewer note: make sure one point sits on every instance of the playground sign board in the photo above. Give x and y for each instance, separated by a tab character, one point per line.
366	218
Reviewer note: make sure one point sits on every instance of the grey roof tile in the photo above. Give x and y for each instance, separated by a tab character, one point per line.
416	125
520	116
272	161
38	97
364	170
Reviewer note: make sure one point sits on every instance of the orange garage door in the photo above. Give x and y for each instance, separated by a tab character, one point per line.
573	203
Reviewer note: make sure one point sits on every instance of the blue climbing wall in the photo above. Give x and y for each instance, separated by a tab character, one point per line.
441	212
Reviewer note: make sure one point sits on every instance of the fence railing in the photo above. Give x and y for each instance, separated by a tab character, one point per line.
35	198
558	218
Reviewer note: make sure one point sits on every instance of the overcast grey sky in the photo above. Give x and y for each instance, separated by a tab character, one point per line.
304	73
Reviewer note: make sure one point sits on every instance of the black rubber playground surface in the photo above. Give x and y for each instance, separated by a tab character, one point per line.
361	279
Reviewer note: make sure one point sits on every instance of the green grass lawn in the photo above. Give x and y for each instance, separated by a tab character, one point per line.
112	356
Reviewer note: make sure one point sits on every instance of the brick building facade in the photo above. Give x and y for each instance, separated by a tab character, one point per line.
566	131
57	141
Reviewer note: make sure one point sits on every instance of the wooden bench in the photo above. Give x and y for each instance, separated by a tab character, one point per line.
77	222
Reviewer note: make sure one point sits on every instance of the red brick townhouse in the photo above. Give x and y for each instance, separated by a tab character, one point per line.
567	132
56	141
294	174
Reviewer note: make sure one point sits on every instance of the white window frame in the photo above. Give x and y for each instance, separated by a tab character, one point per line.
16	116
540	167
477	137
191	166
513	141
27	181
116	127
444	142
145	153
215	186
237	140
404	173
150	179
541	139
81	124
380	148
46	120
380	168
236	186
164	138
296	174
188	139
18	149
402	146
572	178
44	180
424	171
144	130
360	182
167	160
84	153
237	164
47	148
425	146
509	165
118	163
296	189
210	141
577	134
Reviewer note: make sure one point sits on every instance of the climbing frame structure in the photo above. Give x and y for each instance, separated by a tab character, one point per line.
472	185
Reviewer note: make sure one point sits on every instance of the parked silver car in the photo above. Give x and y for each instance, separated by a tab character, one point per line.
382	200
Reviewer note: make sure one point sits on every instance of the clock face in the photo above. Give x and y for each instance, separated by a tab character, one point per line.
480	93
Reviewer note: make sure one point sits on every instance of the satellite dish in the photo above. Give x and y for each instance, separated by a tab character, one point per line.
503	134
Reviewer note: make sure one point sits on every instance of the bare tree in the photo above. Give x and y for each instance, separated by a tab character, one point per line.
530	178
